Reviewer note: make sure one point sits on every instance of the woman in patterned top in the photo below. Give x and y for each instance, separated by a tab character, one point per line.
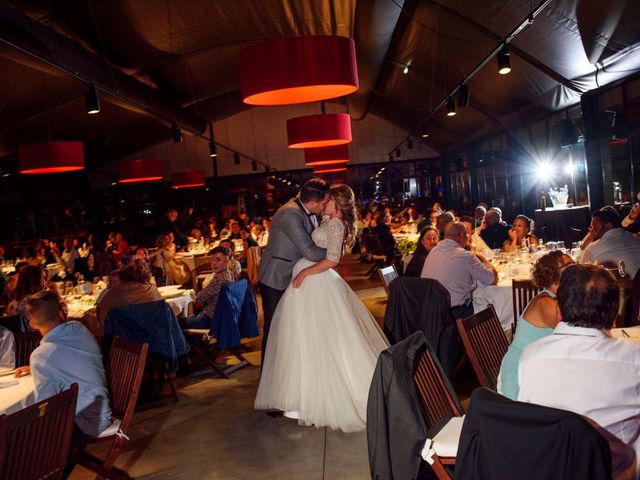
207	299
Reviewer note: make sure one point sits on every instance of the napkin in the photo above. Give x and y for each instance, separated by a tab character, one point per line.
10	383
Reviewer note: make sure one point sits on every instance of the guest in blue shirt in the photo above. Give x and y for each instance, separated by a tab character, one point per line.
67	354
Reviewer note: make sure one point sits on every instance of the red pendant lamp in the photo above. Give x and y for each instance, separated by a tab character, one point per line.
292	70
140	171
314	157
51	157
330	168
322	130
187	179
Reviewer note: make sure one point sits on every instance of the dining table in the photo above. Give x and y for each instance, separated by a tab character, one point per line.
16	393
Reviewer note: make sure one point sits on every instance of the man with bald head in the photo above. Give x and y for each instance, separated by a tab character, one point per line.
457	269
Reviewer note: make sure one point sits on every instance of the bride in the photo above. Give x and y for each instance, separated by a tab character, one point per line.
324	343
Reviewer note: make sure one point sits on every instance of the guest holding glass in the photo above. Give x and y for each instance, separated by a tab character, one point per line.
520	235
536	321
428	239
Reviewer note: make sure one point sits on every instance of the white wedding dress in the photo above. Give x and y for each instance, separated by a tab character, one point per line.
323	347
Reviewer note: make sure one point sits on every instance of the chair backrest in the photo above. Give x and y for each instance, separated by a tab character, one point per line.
387	275
485	344
522	291
26	342
438	399
254	255
202	264
236	314
125	368
14	323
34	442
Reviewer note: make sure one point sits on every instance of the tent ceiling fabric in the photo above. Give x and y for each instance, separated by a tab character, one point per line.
185	54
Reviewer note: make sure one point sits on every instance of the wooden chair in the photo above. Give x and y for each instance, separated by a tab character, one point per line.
254	255
14	323
125	369
522	291
34	442
442	411
202	269
387	275
485	344
26	342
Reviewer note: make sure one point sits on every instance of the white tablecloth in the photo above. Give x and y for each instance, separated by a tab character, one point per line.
18	396
500	297
187	259
179	300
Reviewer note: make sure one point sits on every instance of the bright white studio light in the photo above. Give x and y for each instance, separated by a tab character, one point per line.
569	168
545	171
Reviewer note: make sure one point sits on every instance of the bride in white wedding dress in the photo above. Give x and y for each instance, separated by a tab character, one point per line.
324	343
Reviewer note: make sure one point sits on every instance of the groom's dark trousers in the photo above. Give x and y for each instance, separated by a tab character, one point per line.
270	299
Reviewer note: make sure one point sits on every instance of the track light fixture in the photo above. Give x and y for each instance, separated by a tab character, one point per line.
212	150
405	70
236	158
397	153
463	91
254	166
176	133
424	132
410	143
504	60
451	106
92	99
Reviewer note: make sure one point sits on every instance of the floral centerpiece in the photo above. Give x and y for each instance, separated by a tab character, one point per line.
406	246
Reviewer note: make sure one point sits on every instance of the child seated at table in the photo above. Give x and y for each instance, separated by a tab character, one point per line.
207	299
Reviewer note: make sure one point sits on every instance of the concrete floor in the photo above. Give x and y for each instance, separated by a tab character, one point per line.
214	432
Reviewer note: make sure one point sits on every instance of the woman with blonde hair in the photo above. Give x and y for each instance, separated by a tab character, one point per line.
323	344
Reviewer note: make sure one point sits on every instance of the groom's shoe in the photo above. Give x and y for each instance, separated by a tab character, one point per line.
275	413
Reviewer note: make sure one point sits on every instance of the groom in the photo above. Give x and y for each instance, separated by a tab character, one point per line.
289	241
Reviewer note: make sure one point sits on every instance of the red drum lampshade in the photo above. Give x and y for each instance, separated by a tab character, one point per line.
322	130
326	155
140	171
292	70
331	168
51	157
187	179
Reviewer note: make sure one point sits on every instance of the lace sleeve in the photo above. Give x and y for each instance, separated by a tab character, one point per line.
335	239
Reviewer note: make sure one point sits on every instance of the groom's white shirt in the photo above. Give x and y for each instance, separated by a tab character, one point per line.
312	217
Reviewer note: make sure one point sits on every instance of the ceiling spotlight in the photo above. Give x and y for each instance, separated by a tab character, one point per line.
212	149
93	102
451	106
504	60
463	91
405	70
424	133
397	153
176	133
254	166
236	158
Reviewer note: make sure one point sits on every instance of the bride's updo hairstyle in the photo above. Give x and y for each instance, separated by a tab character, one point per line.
346	203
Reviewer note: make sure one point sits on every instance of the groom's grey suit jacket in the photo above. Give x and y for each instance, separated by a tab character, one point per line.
289	241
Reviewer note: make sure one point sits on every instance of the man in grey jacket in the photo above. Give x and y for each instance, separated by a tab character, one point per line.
289	241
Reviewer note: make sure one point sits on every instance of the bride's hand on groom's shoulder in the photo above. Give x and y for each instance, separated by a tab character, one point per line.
298	280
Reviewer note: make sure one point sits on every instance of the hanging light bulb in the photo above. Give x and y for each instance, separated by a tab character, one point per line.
212	150
504	60
405	70
424	133
92	99
451	106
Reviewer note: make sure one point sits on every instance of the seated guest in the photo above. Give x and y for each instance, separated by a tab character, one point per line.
164	258
67	354
429	238
442	221
476	244
67	259
121	250
631	222
234	265
494	231
100	262
7	349
580	368
458	270
381	227
239	233
31	279
478	215
536	321
133	287
207	299
520	235
610	243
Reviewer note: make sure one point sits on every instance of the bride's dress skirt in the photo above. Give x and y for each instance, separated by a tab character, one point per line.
322	350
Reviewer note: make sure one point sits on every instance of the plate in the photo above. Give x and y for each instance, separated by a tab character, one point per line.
5	371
